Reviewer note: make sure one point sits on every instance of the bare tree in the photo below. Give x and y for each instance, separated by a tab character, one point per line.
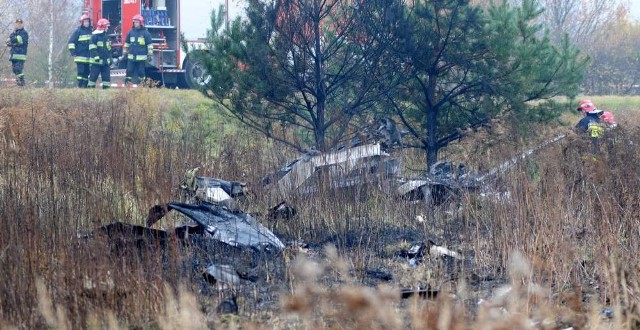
586	22
9	11
50	57
52	21
49	24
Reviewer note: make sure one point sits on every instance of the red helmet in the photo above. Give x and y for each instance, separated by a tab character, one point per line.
139	18
586	106
103	23
607	118
83	17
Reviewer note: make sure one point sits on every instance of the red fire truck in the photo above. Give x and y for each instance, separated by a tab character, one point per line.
168	21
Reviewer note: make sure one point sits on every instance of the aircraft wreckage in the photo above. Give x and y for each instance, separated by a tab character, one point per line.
212	202
235	228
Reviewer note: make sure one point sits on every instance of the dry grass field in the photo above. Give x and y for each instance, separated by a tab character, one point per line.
559	252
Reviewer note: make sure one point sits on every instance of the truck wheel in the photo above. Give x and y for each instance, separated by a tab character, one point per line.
196	75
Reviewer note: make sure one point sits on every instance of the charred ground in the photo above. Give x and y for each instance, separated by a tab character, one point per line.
563	241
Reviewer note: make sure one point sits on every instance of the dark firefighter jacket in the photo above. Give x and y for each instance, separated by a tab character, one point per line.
79	44
138	44
591	124
100	49
18	41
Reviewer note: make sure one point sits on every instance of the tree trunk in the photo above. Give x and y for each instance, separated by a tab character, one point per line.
50	57
432	121
319	82
432	143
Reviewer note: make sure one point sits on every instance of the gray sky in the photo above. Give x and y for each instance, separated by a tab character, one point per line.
196	15
635	10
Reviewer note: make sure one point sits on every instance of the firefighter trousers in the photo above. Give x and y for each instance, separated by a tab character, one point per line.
18	67
135	71
84	70
100	70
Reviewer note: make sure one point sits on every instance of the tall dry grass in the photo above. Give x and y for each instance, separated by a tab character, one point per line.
558	250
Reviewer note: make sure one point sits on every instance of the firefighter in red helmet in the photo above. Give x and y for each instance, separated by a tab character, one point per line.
594	123
101	60
587	107
79	49
591	122
138	48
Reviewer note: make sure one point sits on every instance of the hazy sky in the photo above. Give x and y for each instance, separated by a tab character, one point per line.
635	9
200	11
198	18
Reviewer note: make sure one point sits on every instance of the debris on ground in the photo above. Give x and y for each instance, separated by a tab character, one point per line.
235	228
221	273
417	251
379	275
607	312
341	169
122	235
281	211
129	230
427	293
444	181
228	274
228	306
209	189
363	164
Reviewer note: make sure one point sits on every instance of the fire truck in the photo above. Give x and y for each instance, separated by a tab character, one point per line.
171	24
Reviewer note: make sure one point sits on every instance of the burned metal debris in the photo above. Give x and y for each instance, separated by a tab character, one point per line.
366	160
228	274
221	273
421	293
228	306
121	229
235	228
416	253
443	181
122	235
281	211
343	168
213	190
365	164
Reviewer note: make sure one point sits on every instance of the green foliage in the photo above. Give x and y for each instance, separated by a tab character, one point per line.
298	64
468	66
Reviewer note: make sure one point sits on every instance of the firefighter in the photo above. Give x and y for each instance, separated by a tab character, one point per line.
138	48
591	123
18	41
586	106
100	52
79	48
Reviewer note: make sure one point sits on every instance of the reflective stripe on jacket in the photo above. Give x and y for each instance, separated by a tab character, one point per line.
591	124
19	41
139	44
79	44
100	49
